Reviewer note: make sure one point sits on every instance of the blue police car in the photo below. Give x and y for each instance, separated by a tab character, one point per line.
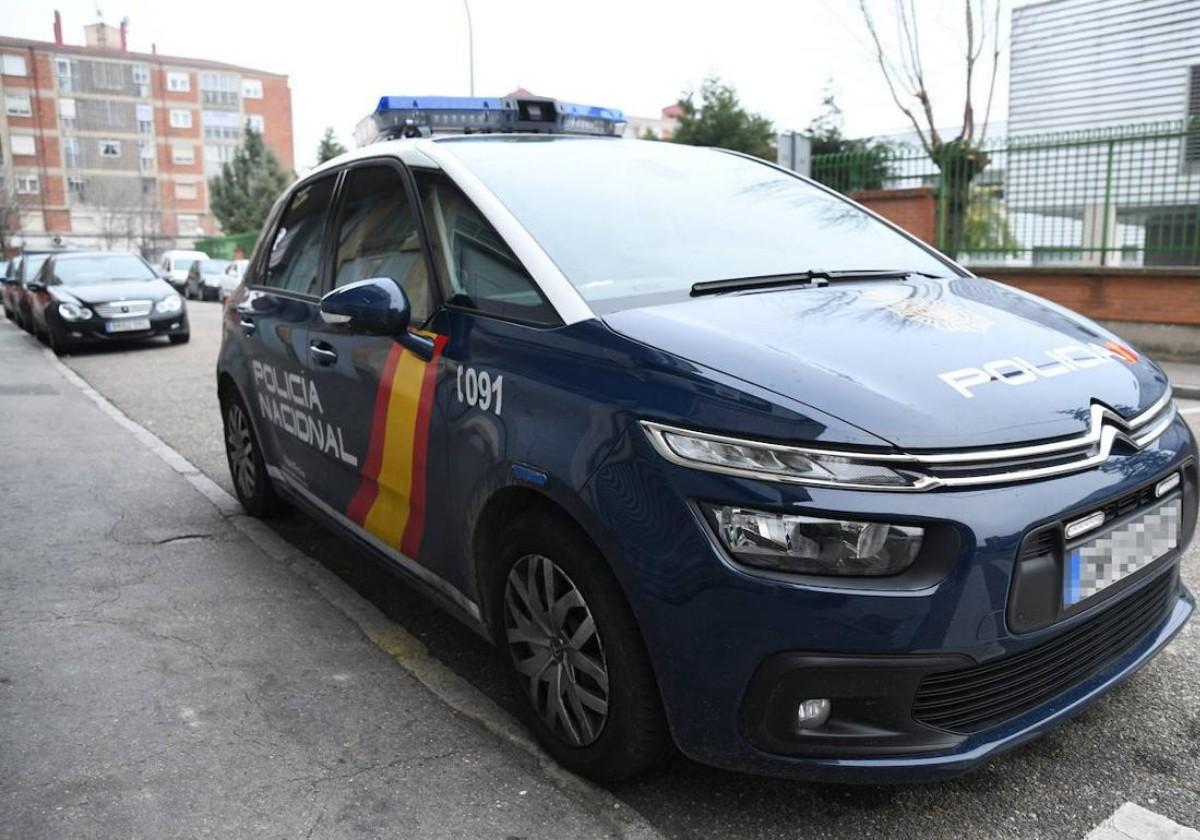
718	459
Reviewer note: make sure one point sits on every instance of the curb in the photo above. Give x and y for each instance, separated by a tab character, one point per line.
1187	392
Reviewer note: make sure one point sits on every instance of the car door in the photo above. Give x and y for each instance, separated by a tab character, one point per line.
373	399
271	319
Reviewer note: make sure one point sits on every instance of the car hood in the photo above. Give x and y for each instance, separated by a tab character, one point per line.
123	290
923	364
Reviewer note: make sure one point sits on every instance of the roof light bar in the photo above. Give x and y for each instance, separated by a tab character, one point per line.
422	116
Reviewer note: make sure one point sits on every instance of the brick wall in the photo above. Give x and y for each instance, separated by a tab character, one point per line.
1145	295
915	209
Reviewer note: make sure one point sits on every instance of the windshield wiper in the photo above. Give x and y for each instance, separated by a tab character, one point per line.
807	279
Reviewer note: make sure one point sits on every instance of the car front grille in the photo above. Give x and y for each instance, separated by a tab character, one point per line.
124	309
975	698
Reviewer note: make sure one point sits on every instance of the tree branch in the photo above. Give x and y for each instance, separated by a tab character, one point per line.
927	142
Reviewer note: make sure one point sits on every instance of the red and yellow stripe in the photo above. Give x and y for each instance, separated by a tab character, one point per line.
390	502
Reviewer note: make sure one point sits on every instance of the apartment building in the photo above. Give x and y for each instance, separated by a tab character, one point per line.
104	147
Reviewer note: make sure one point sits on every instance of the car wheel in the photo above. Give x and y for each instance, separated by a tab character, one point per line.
246	466
575	653
180	338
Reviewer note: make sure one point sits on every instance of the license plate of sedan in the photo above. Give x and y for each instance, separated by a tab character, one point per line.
131	325
1099	563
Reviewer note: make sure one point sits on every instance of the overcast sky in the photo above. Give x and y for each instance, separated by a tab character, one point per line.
636	55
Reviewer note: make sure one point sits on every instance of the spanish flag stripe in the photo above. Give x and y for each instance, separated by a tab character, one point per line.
388	516
368	489
411	545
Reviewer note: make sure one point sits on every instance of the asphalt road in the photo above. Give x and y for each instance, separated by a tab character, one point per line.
1140	744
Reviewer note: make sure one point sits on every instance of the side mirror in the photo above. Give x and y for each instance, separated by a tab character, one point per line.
375	306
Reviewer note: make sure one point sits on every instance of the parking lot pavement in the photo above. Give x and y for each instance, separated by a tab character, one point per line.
1141	744
161	676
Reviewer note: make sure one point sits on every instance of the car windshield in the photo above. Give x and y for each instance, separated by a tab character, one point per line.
631	223
100	268
31	265
213	266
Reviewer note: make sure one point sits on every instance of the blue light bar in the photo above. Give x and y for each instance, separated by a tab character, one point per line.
422	116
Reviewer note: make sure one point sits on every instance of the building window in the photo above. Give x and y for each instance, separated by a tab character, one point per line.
23	144
185	155
252	88
27	185
17	105
72	156
186	190
145	155
64	68
179	82
190	225
181	118
141	78
215	158
255	121
110	148
219	88
77	187
14	65
145	119
108	76
66	114
221	125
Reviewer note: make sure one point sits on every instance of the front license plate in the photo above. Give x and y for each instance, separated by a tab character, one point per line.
1099	563
131	325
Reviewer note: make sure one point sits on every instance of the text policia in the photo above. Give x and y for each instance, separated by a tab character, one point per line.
290	401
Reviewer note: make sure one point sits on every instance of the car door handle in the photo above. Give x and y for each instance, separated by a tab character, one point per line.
322	353
248	324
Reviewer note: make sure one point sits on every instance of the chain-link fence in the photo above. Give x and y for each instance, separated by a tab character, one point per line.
1127	195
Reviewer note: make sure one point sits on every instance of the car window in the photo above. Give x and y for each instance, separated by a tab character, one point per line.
294	260
94	269
478	269
378	236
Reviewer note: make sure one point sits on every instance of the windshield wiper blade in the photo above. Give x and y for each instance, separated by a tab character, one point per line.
799	278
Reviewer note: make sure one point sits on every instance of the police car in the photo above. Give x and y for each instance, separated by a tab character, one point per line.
718	459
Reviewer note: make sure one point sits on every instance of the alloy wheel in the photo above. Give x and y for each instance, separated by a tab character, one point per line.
556	649
239	444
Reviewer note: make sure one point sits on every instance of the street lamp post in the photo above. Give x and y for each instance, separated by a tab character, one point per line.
470	46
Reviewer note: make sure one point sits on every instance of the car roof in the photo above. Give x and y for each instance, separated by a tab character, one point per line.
70	255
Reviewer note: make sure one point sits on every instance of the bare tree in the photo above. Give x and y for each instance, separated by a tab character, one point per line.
119	206
962	157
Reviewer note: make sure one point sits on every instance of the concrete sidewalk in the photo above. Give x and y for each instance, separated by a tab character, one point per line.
161	676
1185	379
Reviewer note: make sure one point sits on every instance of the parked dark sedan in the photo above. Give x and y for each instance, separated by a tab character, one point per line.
95	296
23	268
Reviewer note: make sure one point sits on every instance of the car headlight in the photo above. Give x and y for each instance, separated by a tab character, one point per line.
73	311
776	462
171	303
807	545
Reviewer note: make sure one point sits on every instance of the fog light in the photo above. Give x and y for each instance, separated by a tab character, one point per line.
1082	526
1166	485
812	714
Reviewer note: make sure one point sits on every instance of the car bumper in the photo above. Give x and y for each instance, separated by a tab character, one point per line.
735	650
95	332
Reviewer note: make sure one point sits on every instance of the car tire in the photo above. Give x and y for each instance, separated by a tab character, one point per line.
581	671
243	453
180	338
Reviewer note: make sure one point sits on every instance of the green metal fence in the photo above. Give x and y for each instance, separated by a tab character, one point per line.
237	245
1127	195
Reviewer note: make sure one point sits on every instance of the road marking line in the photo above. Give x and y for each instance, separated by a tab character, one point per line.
1133	822
407	651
